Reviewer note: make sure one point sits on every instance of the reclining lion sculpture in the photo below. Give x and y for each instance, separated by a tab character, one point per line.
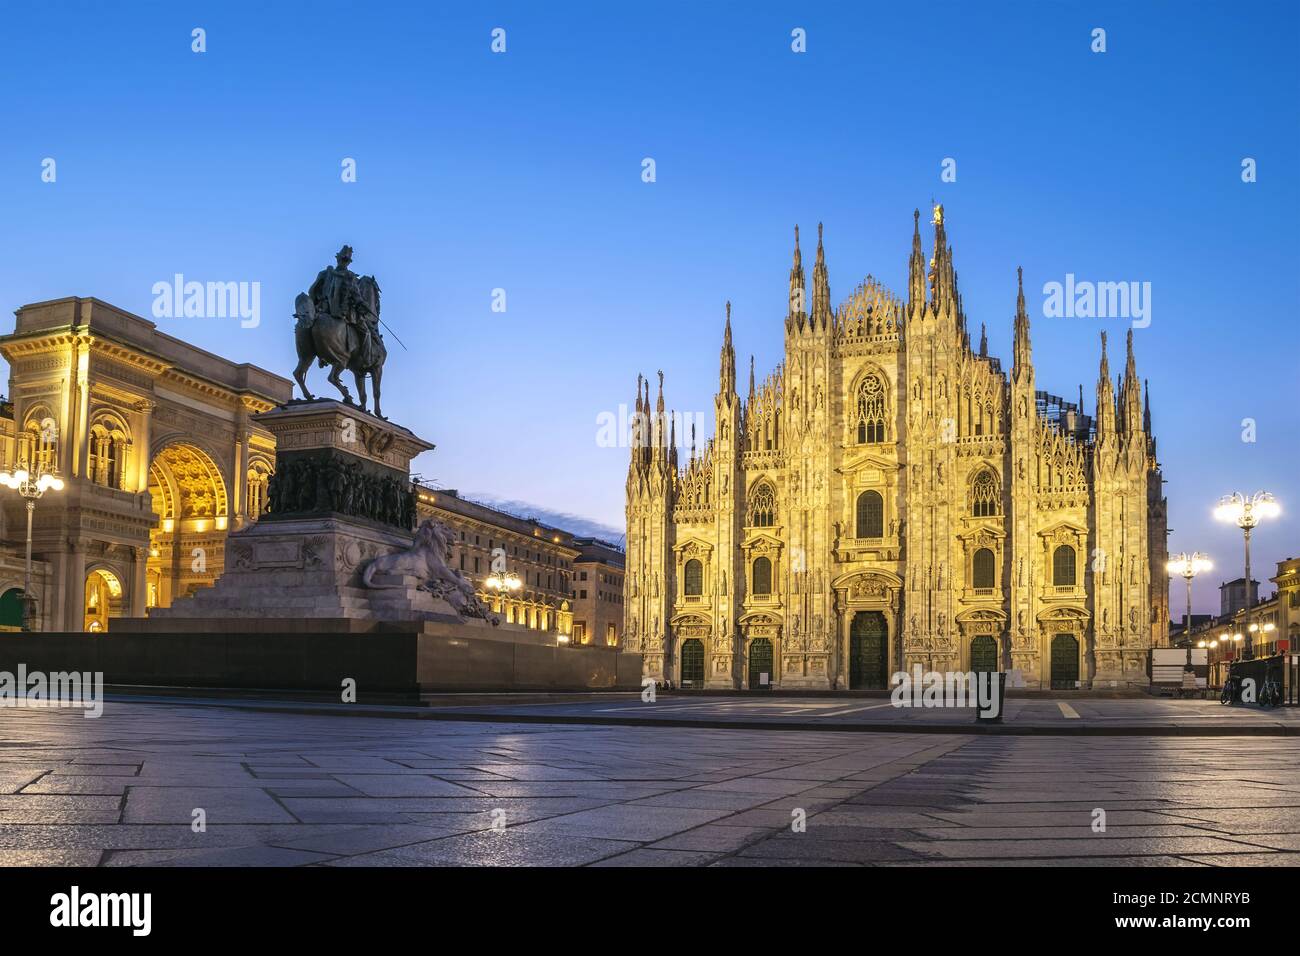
426	560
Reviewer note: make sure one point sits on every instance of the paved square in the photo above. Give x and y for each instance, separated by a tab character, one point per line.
302	789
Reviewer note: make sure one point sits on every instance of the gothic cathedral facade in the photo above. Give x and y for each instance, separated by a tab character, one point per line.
889	496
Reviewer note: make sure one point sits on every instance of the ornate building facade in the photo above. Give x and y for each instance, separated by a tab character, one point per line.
890	496
156	443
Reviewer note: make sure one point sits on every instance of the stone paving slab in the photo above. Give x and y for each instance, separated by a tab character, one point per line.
295	789
1036	715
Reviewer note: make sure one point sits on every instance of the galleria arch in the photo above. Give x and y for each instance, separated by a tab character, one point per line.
156	443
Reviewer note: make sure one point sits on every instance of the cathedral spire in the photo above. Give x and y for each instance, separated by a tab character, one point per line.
821	309
1105	396
984	342
916	266
941	289
660	439
1021	352
727	373
1146	406
751	378
798	294
1130	402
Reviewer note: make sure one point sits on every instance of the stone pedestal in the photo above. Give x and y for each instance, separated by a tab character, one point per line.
341	496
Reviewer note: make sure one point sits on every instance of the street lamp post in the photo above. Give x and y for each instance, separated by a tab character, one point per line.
501	584
21	481
1246	513
1189	565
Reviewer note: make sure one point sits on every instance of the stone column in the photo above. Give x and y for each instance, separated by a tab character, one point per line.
238	478
143	444
139	582
74	586
80	446
840	677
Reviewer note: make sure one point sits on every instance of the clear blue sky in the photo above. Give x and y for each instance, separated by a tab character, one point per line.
522	171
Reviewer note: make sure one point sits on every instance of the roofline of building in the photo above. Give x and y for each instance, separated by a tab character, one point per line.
450	500
159	345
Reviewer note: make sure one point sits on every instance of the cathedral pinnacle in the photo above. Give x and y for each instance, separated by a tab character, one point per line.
916	265
797	288
821	310
1021	349
727	373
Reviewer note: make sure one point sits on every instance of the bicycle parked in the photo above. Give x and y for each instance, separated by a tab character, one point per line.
1231	690
1270	695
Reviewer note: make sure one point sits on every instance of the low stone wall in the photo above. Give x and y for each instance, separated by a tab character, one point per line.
401	665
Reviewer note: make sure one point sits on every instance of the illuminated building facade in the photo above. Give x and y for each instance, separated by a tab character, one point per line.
890	496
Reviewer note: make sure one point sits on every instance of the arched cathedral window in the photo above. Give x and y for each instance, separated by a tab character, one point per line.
1063	566
694	578
762	507
982	569
762	576
870	411
984	495
871	515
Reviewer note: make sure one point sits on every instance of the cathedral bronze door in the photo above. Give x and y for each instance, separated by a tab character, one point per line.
868	652
1065	662
692	663
760	664
984	654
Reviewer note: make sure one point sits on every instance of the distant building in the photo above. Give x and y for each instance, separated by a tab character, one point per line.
1178	630
1268	628
540	556
597	593
1232	596
1287	580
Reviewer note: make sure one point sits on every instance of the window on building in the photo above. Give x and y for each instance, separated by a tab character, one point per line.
762	576
1063	571
870	410
871	515
694	577
611	635
984	495
580	632
982	569
762	506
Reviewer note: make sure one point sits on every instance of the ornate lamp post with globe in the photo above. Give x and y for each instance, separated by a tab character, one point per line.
502	583
1246	513
22	482
1188	566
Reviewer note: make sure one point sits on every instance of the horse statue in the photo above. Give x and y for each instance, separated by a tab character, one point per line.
426	560
337	323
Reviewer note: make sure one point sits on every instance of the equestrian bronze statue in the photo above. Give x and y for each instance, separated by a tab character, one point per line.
338	325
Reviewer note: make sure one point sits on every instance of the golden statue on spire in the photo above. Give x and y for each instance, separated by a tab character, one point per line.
937	218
